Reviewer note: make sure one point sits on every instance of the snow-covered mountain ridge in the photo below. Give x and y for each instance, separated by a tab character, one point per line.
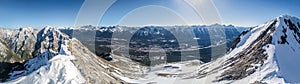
49	68
268	53
59	59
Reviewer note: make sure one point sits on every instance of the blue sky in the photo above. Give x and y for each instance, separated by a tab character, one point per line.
255	12
40	13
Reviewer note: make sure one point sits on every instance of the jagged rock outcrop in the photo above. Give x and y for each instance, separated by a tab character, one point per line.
19	42
25	43
49	39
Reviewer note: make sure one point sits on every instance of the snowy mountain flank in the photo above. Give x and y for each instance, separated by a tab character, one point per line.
272	49
59	59
268	53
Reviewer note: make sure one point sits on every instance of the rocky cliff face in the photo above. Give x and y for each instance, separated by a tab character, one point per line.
19	42
25	43
49	39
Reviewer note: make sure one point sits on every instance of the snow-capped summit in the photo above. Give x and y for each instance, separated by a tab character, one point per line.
26	43
49	67
20	42
49	38
267	53
288	31
286	39
60	59
44	45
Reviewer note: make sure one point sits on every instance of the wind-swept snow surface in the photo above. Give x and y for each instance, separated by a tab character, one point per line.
279	40
58	69
287	49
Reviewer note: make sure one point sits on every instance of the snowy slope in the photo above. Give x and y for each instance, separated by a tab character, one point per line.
52	62
283	62
59	59
275	47
58	69
288	53
268	53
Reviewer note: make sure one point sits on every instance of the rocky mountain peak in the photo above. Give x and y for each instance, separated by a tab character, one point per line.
19	42
288	29
49	39
263	47
28	29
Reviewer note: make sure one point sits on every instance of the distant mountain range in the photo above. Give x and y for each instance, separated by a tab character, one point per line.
178	40
268	53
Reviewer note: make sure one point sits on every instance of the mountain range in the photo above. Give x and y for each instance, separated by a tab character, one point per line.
268	53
